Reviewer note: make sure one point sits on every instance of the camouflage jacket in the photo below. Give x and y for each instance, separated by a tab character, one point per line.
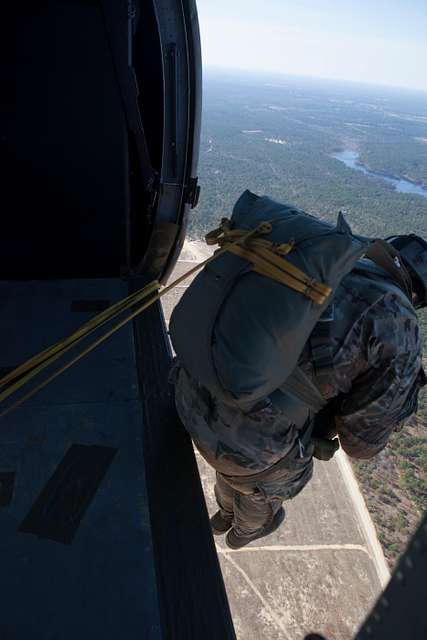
370	379
376	361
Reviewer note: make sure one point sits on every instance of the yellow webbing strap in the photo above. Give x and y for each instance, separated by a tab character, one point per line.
38	363
58	349
262	264
267	259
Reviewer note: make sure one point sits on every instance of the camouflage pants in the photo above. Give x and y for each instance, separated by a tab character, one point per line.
252	501
259	458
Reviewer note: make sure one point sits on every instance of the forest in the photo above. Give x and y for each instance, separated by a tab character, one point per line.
275	135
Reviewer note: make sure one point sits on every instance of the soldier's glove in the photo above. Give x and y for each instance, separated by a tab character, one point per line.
324	449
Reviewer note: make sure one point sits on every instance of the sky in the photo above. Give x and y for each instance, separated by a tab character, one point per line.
382	42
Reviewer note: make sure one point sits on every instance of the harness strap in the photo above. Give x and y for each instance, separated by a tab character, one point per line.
301	387
387	257
321	349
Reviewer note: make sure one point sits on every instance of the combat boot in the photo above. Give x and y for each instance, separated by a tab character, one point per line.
221	524
236	541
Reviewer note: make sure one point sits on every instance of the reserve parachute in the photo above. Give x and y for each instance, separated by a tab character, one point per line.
238	330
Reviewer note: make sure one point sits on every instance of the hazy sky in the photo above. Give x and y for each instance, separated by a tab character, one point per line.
376	41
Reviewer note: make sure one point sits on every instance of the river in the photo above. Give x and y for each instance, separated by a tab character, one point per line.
350	159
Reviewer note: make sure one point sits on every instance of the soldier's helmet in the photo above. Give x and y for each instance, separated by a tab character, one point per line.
413	251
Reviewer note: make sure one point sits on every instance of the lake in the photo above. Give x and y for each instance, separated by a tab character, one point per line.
351	160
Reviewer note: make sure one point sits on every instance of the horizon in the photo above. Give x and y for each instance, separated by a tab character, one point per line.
380	45
263	74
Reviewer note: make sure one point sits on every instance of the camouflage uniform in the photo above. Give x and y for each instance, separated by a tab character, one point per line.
263	457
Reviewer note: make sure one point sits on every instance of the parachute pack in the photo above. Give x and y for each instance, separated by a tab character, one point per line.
242	324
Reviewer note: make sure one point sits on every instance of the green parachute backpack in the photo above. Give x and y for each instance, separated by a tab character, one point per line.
239	331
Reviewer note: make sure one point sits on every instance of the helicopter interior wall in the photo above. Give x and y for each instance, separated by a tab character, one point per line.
150	76
147	47
66	187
